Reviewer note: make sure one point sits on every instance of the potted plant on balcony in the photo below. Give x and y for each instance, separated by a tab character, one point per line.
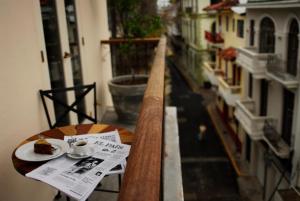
129	23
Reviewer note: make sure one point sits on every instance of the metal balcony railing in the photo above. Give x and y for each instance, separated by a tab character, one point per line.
229	92
212	72
252	123
253	61
274	140
129	55
276	70
227	85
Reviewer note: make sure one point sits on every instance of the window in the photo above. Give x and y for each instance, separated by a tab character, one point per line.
250	85
267	36
195	31
214	1
287	115
233	25
293	46
264	88
240	28
252	33
227	23
220	23
226	69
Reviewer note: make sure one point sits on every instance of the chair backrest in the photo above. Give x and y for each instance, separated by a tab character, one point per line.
80	93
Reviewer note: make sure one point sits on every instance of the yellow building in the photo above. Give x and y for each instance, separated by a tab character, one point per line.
225	35
194	21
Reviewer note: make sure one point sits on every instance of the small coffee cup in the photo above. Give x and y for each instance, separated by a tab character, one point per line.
81	147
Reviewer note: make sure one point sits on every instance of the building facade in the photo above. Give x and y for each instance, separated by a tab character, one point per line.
270	107
194	21
226	34
45	44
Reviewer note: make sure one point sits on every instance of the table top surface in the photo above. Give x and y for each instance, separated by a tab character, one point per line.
23	167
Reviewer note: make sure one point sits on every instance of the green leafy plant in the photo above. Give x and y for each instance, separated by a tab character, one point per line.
131	22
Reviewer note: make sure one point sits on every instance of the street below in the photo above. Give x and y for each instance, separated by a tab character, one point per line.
207	172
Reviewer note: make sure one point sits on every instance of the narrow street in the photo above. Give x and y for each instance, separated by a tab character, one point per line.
207	172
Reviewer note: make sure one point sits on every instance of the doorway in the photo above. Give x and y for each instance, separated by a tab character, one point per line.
287	115
63	51
293	45
248	148
263	97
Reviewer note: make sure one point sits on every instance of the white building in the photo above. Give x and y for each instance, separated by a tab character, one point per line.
45	43
269	112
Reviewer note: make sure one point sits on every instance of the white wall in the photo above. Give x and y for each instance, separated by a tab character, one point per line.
96	63
22	74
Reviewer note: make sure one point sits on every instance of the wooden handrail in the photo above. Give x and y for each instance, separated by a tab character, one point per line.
133	40
143	172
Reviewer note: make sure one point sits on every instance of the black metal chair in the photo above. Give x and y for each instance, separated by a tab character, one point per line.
80	93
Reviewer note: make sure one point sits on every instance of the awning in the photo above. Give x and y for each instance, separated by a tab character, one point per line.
228	54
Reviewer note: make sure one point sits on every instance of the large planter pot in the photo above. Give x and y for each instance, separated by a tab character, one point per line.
127	97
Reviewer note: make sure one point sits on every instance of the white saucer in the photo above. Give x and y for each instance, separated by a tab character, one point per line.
77	156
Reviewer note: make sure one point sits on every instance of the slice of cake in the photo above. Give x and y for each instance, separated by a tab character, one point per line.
41	146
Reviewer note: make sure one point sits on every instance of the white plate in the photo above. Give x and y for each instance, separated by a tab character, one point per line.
77	156
26	153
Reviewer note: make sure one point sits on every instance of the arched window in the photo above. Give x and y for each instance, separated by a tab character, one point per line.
267	36
293	46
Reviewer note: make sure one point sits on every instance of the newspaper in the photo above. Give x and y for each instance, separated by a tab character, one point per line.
78	178
92	139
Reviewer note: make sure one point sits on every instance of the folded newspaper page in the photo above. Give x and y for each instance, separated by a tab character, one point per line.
78	178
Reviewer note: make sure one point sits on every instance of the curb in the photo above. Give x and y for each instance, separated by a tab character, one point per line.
226	147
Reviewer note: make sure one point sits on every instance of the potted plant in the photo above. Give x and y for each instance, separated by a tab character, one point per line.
130	79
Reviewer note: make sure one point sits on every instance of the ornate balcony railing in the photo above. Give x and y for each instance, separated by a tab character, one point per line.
212	73
276	71
253	61
252	124
274	140
230	93
129	55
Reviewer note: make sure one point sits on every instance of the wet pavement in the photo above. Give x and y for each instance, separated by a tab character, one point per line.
206	171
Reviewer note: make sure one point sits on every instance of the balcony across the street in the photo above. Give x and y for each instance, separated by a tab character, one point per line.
230	92
253	61
253	124
214	39
275	71
212	73
274	140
